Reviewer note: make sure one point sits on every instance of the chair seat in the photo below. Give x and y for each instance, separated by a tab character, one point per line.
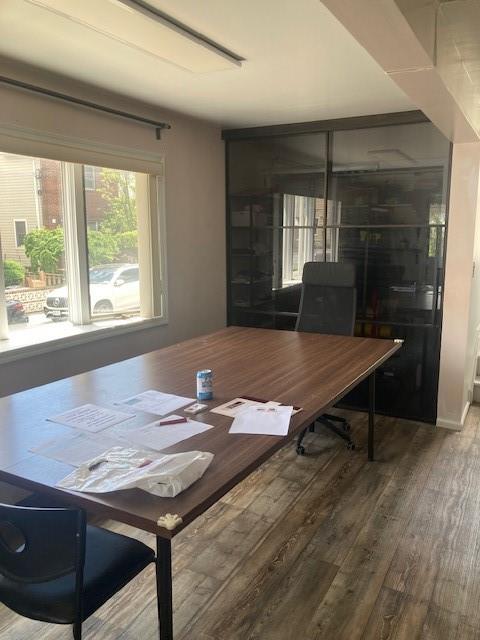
111	561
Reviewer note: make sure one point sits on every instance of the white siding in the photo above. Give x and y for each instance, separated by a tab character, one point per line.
17	201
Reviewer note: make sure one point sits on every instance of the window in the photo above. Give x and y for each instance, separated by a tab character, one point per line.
20	232
89	178
299	239
79	260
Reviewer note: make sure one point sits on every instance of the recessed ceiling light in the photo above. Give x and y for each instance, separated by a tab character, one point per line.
139	25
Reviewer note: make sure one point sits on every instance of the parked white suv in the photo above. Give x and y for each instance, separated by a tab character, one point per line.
114	288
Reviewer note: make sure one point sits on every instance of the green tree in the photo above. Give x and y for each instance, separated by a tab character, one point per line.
102	247
14	273
118	192
44	247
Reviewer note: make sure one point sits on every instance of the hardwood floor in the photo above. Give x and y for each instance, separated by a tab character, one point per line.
326	546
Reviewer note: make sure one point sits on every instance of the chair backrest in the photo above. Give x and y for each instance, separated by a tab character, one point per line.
38	545
329	298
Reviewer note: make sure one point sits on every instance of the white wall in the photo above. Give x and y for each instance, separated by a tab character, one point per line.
195	206
461	305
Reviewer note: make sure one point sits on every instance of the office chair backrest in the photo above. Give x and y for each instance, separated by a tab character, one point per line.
38	545
329	298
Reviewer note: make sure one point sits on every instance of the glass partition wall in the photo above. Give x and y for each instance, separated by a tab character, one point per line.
375	197
276	206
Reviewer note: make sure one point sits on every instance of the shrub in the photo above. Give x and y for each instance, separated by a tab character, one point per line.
14	273
102	248
44	247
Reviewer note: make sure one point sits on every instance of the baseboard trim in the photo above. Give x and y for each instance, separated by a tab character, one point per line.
454	425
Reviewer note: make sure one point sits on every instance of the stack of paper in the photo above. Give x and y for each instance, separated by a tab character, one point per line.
268	419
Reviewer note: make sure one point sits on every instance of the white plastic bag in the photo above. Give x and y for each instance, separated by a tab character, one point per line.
125	468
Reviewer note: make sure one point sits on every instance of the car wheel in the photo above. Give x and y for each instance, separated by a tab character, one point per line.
104	306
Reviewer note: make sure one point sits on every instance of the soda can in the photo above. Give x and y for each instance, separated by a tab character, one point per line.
205	384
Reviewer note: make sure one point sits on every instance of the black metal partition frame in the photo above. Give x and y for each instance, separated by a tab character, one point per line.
372	191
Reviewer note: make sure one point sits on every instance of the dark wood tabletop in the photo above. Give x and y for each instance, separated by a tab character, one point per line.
310	370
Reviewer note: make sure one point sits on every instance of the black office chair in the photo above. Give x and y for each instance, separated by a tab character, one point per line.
55	568
328	305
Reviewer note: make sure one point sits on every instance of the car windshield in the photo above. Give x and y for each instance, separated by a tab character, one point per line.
101	275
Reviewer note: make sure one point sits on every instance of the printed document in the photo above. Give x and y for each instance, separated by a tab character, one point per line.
159	437
75	448
90	417
155	402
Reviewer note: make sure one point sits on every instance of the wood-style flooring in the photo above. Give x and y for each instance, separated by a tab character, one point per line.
326	546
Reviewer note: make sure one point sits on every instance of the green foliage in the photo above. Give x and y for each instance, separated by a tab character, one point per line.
14	273
127	243
102	247
118	191
116	238
44	247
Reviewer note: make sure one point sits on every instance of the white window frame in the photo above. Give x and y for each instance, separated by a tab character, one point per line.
302	208
93	177
154	303
19	246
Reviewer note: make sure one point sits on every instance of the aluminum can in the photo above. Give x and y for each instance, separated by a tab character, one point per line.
205	384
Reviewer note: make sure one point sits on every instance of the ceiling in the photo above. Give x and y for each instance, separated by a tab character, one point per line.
449	32
300	63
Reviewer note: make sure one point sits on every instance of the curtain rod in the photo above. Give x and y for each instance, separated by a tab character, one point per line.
85	103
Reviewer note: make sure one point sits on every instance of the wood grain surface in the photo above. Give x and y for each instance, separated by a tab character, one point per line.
309	370
321	547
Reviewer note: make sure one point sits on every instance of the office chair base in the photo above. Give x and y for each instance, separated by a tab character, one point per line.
344	424
327	420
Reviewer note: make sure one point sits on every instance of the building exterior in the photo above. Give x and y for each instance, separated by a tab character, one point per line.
31	198
20	205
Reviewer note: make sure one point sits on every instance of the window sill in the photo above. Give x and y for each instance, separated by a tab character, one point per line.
28	343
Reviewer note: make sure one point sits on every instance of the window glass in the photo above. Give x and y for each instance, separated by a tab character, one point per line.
129	275
388	217
276	204
89	177
112	238
49	294
20	232
32	234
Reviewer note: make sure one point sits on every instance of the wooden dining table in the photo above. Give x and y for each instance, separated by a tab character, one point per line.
303	369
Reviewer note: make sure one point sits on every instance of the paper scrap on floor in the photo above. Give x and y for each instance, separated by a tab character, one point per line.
75	448
159	437
267	419
90	417
155	402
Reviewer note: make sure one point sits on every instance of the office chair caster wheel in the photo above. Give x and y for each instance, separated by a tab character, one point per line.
351	446
301	450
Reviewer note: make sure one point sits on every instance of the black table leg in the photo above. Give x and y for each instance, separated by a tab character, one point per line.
371	415
164	588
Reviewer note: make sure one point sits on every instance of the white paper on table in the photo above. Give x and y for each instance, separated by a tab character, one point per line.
270	420
155	402
75	448
236	406
158	437
90	417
